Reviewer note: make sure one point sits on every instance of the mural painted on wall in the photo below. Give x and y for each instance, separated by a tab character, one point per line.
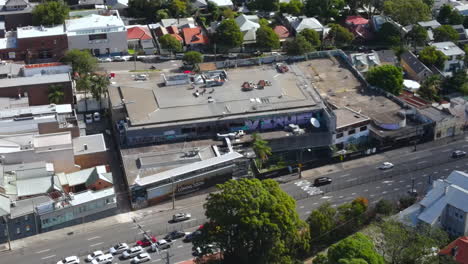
277	122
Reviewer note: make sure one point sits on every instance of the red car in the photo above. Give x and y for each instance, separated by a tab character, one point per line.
145	242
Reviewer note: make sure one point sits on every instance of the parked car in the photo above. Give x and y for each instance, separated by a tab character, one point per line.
176	234
104	259
107	59
181	217
94	255
322	181
458	154
161	244
119	248
141	77
118	59
69	260
88	118
96	116
132	252
140	258
145	242
191	236
386	166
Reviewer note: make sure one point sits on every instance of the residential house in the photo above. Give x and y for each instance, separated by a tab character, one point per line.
119	5
430	26
454	54
223	3
85	4
178	22
377	21
462	9
443	206
15	13
445	124
363	62
360	27
36	88
462	34
139	38
413	67
351	127
41	44
456	251
100	34
248	25
195	38
90	151
297	24
459	107
387	57
96	178
282	32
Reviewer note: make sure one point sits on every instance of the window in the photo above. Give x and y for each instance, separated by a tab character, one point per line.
26	217
363	128
28	228
18	230
352	131
97	36
339	135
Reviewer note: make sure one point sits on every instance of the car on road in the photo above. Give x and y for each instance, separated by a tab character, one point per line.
386	166
176	234
191	236
458	154
140	258
320	181
94	255
88	118
69	260
132	252
119	248
104	259
145	242
181	217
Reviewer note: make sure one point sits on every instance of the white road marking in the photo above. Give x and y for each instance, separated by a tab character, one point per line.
401	181
315	203
421	162
156	260
341	197
407	186
372	195
378	187
308	212
384	192
345	175
326	197
180	246
301	206
97	244
352	179
353	194
396	189
446	169
93	238
419	183
435	172
42	251
366	190
446	150
387	182
51	256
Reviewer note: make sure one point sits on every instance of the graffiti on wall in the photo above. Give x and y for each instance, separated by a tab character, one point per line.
277	121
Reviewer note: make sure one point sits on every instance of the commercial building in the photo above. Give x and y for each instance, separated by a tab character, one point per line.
90	151
15	13
101	34
41	44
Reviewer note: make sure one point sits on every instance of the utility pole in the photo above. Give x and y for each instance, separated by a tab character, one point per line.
8	232
173	193
134	56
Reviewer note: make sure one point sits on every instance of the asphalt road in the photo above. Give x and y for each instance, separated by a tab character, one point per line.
367	181
172	65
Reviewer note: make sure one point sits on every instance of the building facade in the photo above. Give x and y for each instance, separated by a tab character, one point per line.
41	44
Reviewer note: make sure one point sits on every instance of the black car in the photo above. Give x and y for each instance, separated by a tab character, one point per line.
322	181
458	154
191	236
175	235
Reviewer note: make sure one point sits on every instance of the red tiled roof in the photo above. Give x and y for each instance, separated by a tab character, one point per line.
178	37
282	32
459	247
359	26
172	30
194	36
356	20
141	33
413	100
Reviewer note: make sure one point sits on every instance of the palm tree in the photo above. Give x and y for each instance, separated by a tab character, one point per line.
84	84
99	85
261	149
56	94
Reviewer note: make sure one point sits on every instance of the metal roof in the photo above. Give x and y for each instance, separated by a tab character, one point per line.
88	196
4	205
35	80
448	48
26	206
39	31
94	143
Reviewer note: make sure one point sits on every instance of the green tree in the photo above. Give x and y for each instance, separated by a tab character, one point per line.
266	5
456	82
83	84
50	13
340	35
351	216
390	34
387	77
56	94
456	18
228	34
312	36
178	8
81	61
430	88
298	46
228	13
253	221
294	7
261	149
267	38
169	42
465	48
417	36
407	12
321	223
327	10
144	9
193	57
162	14
465	22
444	14
384	207
98	88
445	33
406	201
431	56
357	246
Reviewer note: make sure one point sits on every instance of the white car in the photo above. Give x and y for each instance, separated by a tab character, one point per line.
181	217
88	118
132	252
386	166
140	258
141	77
104	259
119	248
107	59
94	255
161	244
69	260
97	116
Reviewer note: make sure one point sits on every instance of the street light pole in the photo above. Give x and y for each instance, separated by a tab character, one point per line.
173	193
8	232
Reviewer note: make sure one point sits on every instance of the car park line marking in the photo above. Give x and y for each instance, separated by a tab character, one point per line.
156	260
97	244
308	212
345	175
421	162
93	238
352	179
181	246
353	194
301	206
396	189
446	150
51	256
43	251
366	190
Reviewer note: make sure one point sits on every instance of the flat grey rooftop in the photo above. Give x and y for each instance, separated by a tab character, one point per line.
94	144
154	103
35	80
346	117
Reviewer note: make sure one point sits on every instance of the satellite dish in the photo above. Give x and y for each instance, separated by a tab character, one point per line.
315	122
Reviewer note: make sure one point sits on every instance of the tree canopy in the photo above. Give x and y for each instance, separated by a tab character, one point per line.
445	33
193	57
326	10
354	249
261	149
253	221
294	7
161	14
407	12
298	46
321	222
171	43
145	9
50	13
312	36
430	88
178	8
266	5
447	15
81	61
390	34
417	36
267	38
431	56
384	207
340	35
387	77
228	34
56	94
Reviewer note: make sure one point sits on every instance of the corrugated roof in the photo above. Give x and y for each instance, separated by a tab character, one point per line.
97	174
432	213
4	205
416	65
34	186
26	206
87	196
79	177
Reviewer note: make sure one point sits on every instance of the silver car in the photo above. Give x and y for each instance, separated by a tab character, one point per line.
181	217
140	258
119	248
132	252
